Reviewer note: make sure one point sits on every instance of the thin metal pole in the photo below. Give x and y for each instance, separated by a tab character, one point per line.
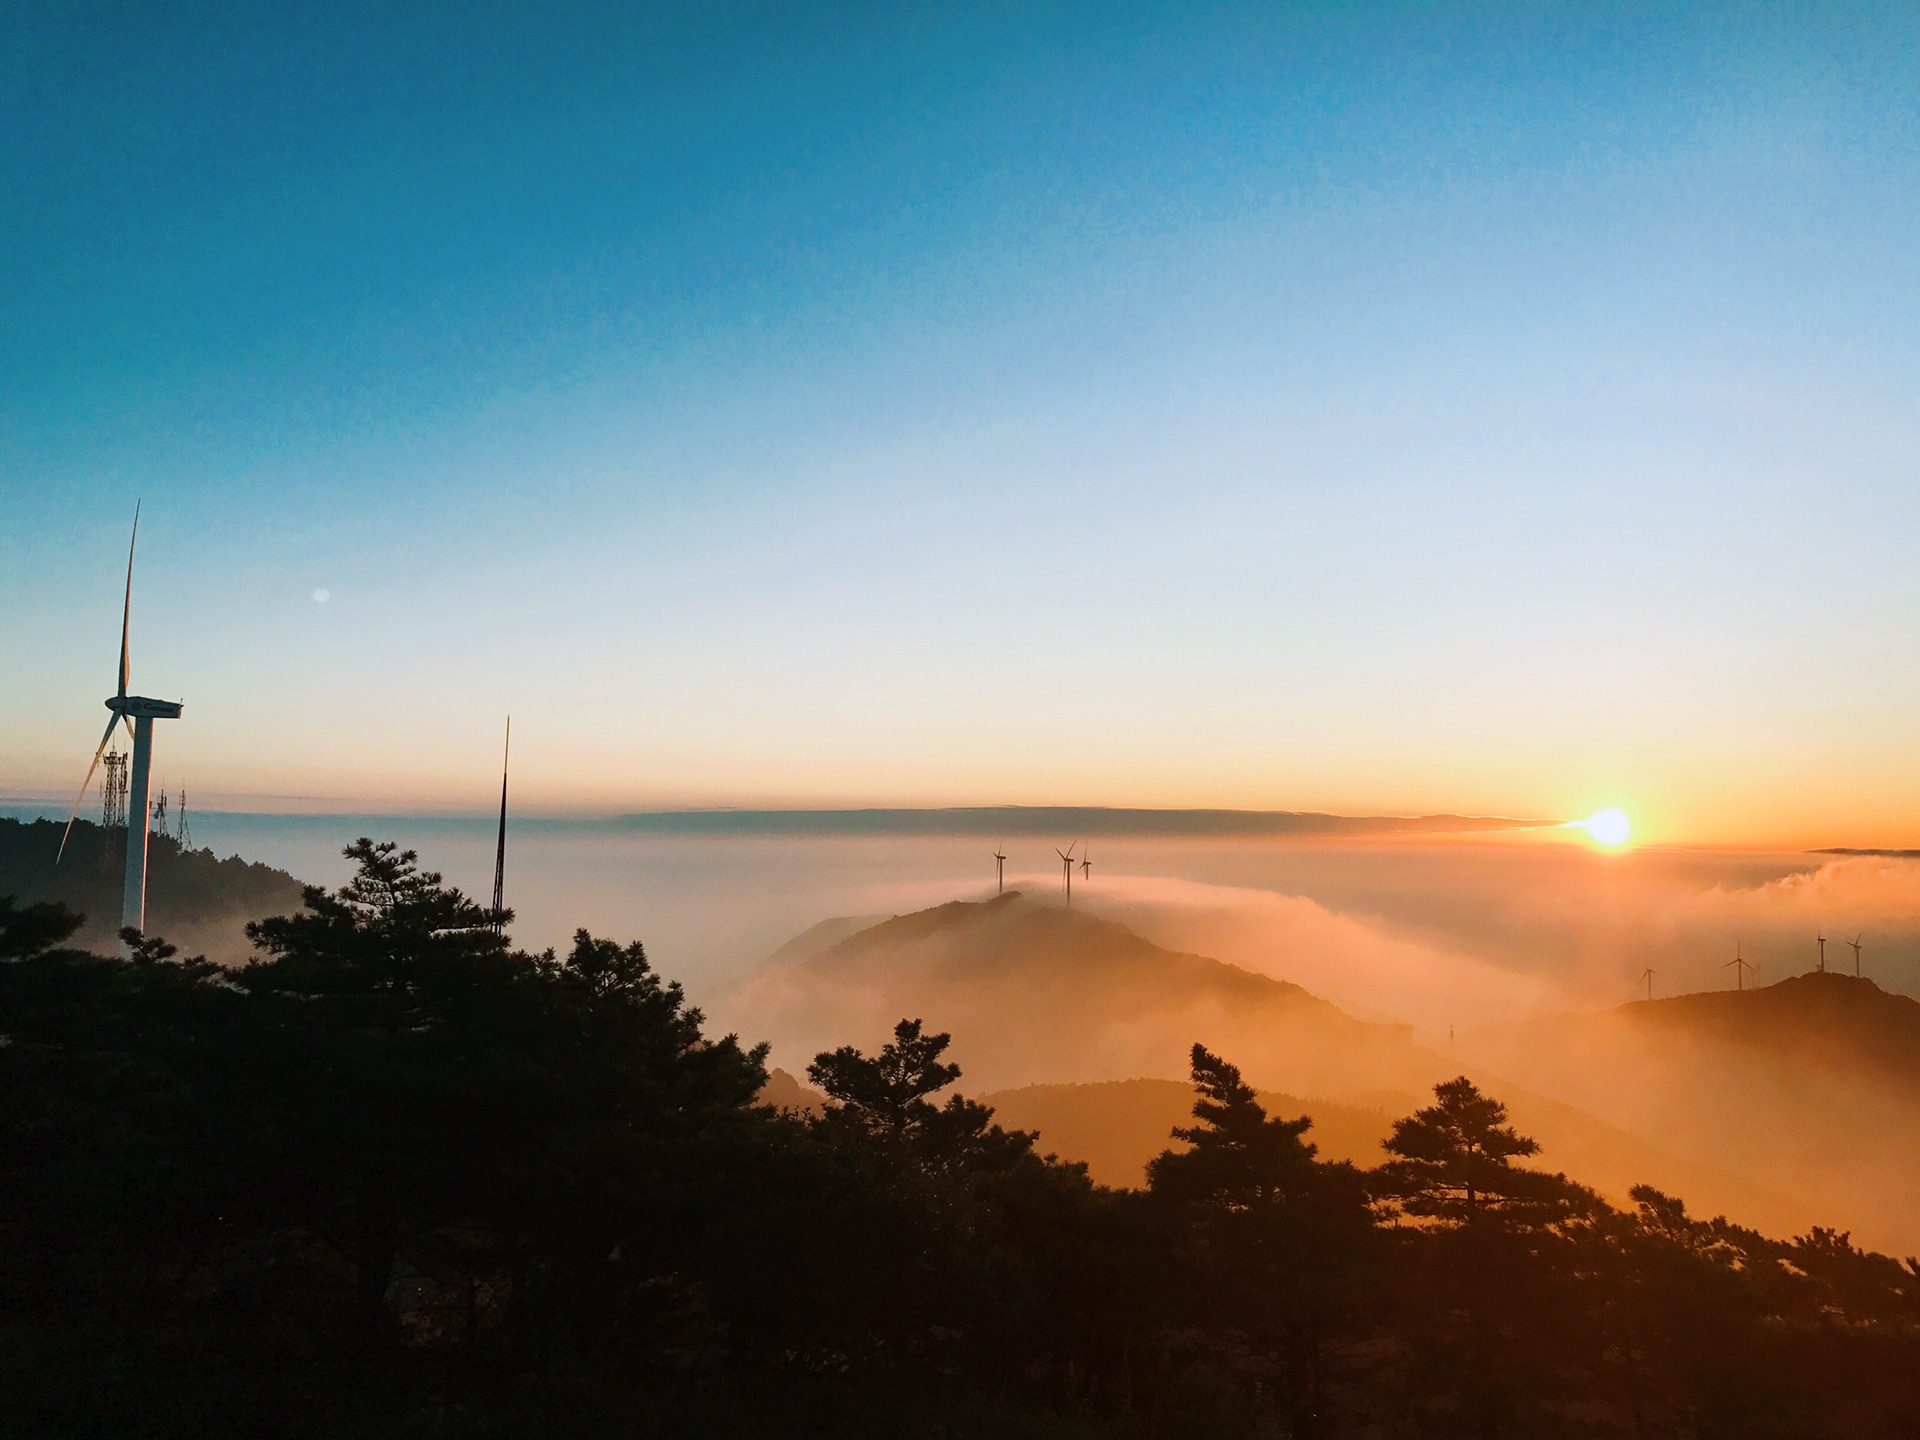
500	850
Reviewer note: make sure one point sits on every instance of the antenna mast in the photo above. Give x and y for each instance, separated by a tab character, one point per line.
500	850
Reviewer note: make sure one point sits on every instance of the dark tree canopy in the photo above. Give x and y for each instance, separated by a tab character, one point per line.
1239	1156
27	930
885	1099
1453	1161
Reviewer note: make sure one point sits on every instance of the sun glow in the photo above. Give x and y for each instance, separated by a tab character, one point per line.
1608	827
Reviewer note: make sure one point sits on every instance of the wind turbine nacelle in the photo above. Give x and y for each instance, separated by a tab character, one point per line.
139	707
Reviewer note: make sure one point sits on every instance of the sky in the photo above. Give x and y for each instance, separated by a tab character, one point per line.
1497	408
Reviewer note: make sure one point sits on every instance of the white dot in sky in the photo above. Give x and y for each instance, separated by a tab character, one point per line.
322	595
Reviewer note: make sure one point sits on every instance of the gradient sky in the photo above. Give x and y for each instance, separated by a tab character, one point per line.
1495	408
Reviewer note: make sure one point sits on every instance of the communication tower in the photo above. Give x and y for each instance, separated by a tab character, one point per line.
113	791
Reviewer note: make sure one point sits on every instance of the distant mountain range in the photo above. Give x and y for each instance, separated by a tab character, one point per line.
1053	820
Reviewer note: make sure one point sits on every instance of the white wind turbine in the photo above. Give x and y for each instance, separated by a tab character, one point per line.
137	713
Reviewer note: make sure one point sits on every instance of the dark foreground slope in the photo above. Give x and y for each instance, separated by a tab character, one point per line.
202	903
398	1181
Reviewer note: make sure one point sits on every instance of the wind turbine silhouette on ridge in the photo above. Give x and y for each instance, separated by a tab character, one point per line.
1854	945
999	871
137	713
1740	968
1821	940
1647	975
1066	862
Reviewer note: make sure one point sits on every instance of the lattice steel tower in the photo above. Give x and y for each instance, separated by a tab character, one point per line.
113	791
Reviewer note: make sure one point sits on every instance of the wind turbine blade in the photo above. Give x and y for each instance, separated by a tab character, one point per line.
126	609
75	814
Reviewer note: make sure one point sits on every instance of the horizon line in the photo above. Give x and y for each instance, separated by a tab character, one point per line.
914	819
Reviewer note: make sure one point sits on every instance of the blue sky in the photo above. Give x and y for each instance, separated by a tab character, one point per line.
1497	408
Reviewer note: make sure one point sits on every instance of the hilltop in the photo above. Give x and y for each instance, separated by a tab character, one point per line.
1837	1023
1816	1077
194	899
1036	992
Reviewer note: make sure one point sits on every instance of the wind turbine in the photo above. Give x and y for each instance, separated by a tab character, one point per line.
1647	975
1086	867
1000	872
1740	968
500	850
1854	945
137	713
1066	862
1822	941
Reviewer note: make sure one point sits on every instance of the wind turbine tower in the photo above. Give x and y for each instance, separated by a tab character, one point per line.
1740	968
137	713
1854	945
1647	975
1086	867
1066	864
500	848
999	872
1822	942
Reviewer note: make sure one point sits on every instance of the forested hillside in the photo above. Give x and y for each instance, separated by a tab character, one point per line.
199	901
397	1179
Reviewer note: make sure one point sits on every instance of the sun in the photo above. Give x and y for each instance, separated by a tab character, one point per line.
1609	827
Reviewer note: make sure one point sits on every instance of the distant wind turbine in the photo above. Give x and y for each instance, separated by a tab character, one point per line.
1647	975
1740	968
1086	866
500	849
1066	863
999	872
1822	941
1854	945
137	713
